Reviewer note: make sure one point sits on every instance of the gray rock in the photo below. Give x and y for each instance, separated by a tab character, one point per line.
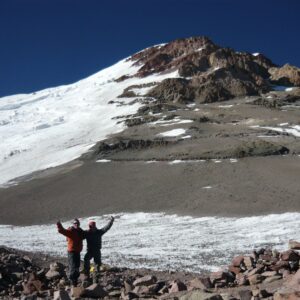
245	294
61	295
200	295
145	280
94	291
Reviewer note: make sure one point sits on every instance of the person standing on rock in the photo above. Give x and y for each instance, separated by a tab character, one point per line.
94	245
75	235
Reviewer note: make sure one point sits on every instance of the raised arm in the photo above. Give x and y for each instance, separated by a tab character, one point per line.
62	230
108	226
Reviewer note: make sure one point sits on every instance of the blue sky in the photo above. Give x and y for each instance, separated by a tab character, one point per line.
47	43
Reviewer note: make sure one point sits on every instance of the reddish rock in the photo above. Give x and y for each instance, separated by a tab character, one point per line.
255	279
201	283
284	273
286	294
235	270
294	245
177	286
77	291
241	279
289	255
280	265
237	261
294	281
146	280
200	295
141	290
257	270
221	275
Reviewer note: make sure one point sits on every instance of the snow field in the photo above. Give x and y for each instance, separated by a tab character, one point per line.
56	125
167	242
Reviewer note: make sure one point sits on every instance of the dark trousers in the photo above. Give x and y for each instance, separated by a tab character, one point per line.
74	265
96	254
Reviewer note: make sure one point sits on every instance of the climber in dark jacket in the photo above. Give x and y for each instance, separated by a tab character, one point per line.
94	244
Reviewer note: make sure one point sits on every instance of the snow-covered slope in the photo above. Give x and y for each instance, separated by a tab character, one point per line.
54	126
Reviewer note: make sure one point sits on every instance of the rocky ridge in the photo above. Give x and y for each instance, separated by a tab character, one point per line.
194	101
264	274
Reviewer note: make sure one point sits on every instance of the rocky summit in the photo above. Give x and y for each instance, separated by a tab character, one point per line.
228	104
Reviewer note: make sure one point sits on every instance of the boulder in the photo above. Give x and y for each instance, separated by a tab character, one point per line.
141	289
245	294
255	279
61	295
200	295
146	280
257	270
177	286
128	296
221	276
294	245
56	266
286	294
289	255
128	287
237	261
269	273
241	279
114	294
94	291
235	270
286	75
51	275
77	291
155	288
294	281
272	278
201	283
280	265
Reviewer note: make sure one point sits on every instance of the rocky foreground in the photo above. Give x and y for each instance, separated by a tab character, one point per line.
264	274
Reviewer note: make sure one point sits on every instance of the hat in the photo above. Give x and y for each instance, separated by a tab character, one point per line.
92	222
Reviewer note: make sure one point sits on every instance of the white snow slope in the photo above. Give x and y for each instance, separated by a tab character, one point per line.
56	125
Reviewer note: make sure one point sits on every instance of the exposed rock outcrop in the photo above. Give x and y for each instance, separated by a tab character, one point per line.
287	75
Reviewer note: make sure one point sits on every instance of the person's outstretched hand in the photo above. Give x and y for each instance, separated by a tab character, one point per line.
112	218
58	224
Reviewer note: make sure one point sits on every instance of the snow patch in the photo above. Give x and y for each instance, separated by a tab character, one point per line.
293	130
103	160
226	106
173	133
233	160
